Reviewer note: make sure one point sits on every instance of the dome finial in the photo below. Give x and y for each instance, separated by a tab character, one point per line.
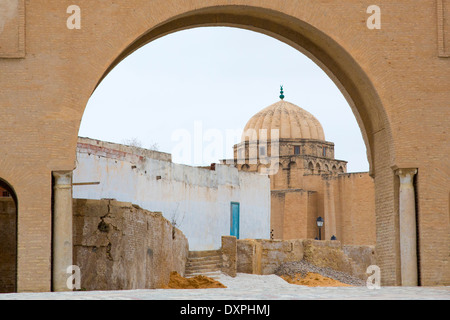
281	93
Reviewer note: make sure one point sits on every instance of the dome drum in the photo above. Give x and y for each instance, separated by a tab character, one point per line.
286	147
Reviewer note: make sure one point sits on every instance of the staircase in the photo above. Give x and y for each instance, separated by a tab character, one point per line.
207	263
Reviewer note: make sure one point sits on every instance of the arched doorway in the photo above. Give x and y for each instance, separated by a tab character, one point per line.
8	238
335	60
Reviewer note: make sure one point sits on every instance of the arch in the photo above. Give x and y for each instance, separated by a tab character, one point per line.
333	168
341	169
292	164
317	168
311	167
328	54
8	238
314	39
327	168
245	167
260	166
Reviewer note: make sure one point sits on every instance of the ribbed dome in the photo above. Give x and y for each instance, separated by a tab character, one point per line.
292	122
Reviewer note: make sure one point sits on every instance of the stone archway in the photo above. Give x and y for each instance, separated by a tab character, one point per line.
338	63
48	77
8	238
335	60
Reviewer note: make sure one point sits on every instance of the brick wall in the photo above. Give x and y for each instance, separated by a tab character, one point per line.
265	256
394	79
355	209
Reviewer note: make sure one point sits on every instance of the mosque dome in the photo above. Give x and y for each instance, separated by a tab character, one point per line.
292	122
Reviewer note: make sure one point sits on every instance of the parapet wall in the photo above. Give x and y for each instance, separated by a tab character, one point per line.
119	151
119	246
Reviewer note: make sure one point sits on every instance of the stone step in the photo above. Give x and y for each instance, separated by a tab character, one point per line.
201	254
191	271
200	269
215	265
207	263
195	263
210	274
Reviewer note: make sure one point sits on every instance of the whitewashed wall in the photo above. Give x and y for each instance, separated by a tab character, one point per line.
198	200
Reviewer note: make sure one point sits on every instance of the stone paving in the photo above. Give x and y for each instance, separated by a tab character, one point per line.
249	287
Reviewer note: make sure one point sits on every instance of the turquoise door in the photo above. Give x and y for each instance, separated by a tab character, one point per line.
234	223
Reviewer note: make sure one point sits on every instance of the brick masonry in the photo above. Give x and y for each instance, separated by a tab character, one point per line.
395	80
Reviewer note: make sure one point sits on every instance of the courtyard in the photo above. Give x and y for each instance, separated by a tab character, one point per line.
249	287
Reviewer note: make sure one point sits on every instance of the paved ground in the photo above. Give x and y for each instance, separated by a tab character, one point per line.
248	287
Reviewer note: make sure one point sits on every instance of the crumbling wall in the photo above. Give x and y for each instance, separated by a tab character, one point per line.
327	254
362	256
265	256
229	255
119	246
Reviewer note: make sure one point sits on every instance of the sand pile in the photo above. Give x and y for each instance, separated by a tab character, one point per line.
314	280
198	282
301	269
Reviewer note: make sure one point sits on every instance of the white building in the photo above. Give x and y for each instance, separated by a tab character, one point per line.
204	203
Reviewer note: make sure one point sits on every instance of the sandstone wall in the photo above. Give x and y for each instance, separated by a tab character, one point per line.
119	246
265	256
362	256
229	255
346	258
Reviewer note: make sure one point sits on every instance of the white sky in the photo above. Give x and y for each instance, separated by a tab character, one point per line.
207	82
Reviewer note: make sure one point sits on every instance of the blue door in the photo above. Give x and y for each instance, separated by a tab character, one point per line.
234	223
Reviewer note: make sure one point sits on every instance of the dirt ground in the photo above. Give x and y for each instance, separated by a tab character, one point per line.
311	279
199	282
314	280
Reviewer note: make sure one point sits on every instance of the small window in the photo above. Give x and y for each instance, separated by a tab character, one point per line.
262	151
296	150
6	194
324	151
